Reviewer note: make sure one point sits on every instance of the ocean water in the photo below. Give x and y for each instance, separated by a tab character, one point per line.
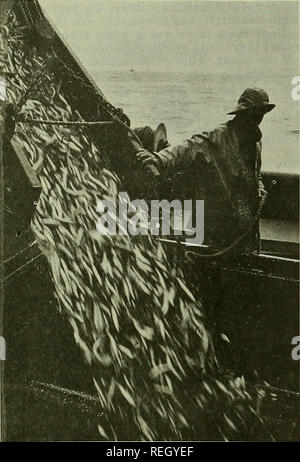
190	102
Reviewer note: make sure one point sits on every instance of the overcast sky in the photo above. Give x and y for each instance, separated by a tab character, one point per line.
231	37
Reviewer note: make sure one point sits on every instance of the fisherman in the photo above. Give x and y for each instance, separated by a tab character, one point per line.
226	166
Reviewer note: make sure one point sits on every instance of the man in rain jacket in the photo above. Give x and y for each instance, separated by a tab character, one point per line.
226	166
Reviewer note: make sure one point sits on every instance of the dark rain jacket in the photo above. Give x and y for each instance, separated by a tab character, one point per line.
225	166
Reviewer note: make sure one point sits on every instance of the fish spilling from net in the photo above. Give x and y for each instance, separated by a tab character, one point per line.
135	319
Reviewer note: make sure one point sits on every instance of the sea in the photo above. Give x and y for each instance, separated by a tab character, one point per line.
191	102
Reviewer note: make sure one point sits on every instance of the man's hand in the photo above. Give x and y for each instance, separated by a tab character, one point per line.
123	117
148	158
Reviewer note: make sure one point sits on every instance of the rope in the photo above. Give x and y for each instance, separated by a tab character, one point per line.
19	253
22	266
65	391
282	391
62	122
228	249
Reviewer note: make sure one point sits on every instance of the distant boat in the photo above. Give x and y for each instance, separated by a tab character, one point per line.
131	70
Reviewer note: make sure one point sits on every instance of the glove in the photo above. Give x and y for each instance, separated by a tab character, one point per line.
163	144
123	117
148	158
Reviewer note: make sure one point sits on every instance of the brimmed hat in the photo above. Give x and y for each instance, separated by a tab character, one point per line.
253	98
160	134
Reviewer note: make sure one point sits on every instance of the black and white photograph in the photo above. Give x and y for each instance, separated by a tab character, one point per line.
149	223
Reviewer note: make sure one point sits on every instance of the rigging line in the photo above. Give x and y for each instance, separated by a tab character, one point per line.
81	79
63	122
19	253
279	390
22	267
66	391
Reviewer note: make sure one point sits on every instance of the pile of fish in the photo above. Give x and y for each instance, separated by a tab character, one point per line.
135	320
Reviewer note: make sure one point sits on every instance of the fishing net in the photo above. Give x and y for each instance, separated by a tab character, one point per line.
133	316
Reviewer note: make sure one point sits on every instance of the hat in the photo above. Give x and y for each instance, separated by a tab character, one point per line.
253	98
160	135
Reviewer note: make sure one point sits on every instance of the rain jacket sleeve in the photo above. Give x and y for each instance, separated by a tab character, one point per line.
197	148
